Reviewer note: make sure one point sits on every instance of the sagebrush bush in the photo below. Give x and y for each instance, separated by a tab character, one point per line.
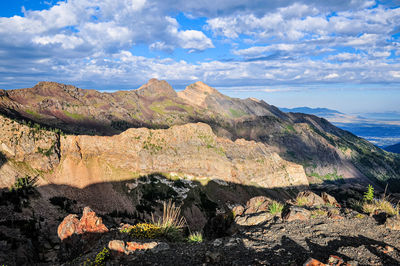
302	201
196	237
143	231
275	207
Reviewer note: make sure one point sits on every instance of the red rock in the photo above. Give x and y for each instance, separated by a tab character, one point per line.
90	223
313	262
132	246
68	226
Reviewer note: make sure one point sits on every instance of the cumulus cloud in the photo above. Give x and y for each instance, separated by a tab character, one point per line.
284	42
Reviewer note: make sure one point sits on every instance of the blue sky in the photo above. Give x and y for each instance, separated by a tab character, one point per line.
335	53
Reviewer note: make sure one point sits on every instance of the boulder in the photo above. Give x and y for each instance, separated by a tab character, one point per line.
393	223
296	213
68	226
238	210
89	223
328	199
257	204
253	219
312	198
117	246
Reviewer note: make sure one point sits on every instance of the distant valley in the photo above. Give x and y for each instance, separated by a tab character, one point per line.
381	129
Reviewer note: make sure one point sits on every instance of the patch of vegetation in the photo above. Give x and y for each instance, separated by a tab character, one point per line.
101	258
47	152
120	125
171	222
330	176
289	129
23	184
302	201
275	207
237	113
33	113
143	231
369	194
196	237
19	193
74	116
318	213
210	143
153	145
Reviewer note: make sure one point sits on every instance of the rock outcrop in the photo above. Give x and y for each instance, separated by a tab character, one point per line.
89	223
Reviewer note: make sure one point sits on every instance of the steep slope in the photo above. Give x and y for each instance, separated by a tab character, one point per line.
190	151
325	151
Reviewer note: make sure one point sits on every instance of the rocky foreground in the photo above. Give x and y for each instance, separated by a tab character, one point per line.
312	229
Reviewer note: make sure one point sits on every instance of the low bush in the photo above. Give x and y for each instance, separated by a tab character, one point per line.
275	208
143	231
196	237
171	222
302	201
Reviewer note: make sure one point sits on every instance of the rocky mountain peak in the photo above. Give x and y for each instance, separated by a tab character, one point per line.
155	87
197	93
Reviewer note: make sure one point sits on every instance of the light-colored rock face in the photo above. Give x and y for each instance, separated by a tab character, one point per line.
29	150
191	149
197	93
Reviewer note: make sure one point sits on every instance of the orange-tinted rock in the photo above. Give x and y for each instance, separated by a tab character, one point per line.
68	226
90	223
117	245
312	198
238	210
257	204
296	213
132	246
328	199
313	262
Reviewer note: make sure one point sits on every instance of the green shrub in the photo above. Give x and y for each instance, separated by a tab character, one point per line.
369	194
171	222
196	237
24	184
143	231
275	207
302	201
100	258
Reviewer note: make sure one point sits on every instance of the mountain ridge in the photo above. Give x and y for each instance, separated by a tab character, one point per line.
321	148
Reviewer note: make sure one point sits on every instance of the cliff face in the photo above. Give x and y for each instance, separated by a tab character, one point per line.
84	167
191	149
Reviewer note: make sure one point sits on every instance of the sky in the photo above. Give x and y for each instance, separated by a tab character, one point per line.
339	54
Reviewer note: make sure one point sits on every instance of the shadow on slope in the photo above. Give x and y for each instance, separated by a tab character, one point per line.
134	200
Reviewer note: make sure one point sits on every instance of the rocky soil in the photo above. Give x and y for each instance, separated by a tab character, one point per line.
321	229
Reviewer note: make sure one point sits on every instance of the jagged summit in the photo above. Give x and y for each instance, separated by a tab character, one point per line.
155	87
197	93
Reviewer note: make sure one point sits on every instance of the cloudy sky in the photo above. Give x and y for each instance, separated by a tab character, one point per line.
341	54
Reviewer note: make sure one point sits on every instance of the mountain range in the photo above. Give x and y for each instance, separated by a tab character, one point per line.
324	151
